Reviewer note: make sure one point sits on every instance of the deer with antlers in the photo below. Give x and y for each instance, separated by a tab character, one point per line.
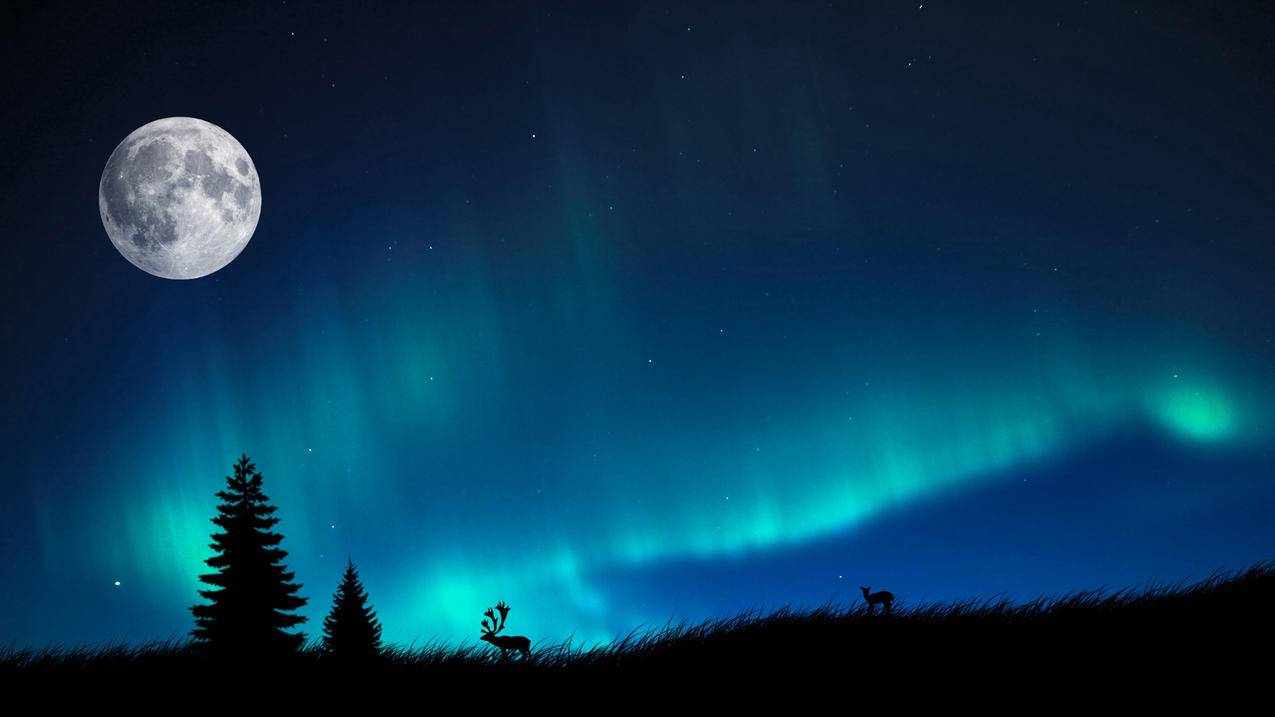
493	623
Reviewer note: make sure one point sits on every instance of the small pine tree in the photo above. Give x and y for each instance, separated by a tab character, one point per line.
351	630
254	591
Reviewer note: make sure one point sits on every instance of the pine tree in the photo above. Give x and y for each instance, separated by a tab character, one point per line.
351	630
254	591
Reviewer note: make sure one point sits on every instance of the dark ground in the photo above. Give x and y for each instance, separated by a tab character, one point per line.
1155	641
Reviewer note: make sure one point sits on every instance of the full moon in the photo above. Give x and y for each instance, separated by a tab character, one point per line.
179	198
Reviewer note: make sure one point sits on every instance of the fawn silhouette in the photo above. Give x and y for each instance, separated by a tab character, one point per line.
493	624
884	597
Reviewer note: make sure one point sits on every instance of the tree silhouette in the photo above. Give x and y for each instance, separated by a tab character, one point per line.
247	613
351	630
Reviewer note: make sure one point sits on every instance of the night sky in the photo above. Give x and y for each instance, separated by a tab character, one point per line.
629	313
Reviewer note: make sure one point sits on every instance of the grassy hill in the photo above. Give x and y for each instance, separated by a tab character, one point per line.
1205	626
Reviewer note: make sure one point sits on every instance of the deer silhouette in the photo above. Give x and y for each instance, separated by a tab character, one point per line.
884	597
493	623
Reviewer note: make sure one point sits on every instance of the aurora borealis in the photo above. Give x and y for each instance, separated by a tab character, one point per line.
633	313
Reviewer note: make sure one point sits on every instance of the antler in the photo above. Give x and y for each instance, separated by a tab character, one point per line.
503	609
493	624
